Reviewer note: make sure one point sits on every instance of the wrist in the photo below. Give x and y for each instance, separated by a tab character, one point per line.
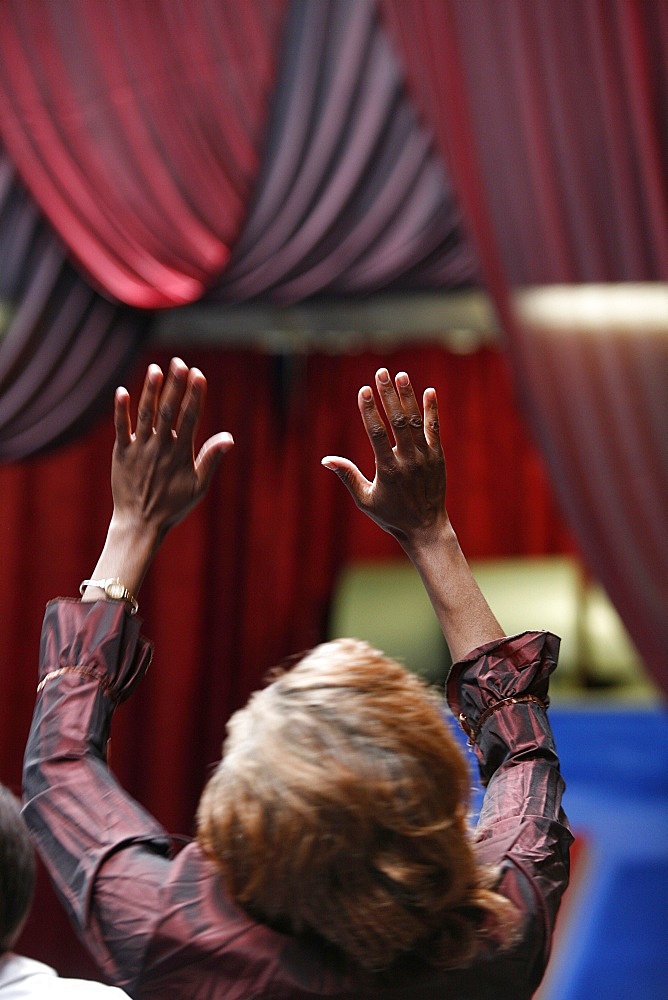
132	529
438	537
128	552
113	589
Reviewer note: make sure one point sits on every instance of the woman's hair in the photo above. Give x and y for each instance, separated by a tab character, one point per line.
17	869
340	808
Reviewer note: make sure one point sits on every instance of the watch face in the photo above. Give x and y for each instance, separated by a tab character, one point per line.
116	591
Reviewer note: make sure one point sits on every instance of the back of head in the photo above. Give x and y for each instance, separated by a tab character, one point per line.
340	809
17	870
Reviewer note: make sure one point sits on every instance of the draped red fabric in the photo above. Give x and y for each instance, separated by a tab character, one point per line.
552	118
138	126
247	579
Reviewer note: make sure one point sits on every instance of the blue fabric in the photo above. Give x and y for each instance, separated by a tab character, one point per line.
611	934
612	941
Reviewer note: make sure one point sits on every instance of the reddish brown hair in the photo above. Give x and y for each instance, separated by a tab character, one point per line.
340	807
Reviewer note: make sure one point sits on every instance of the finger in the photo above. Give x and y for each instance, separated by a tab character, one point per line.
192	406
170	399
122	417
396	416
374	426
357	484
209	458
432	427
148	402
410	407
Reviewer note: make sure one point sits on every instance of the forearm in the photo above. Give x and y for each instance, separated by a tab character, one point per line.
463	613
91	657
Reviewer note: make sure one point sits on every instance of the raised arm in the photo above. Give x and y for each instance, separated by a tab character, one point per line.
407	499
156	477
107	857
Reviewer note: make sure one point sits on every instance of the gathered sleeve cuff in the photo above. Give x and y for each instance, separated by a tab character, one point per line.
513	667
97	639
498	694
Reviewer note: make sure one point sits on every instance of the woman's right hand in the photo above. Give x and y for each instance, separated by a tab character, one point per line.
156	477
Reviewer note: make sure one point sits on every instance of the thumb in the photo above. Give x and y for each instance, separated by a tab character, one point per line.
349	475
210	455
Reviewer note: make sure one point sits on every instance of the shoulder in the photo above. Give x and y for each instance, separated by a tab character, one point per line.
22	978
83	989
15	969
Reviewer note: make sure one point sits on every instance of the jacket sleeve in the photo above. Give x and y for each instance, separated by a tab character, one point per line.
91	658
499	694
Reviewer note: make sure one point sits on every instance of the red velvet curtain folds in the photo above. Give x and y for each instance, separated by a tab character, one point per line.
138	127
553	121
153	151
147	152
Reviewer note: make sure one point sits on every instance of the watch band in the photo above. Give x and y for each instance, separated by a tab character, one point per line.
114	590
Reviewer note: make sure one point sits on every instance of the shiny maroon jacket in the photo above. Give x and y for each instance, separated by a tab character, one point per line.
163	927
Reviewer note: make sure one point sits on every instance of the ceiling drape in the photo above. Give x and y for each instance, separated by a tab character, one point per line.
137	126
156	142
352	195
552	119
65	347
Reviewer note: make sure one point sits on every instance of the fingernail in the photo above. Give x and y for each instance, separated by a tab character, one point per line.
327	463
383	375
366	393
402	378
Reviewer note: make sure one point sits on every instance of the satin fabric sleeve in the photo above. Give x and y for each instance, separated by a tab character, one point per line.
522	829
91	657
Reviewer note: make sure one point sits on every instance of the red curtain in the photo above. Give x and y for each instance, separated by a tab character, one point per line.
137	126
553	120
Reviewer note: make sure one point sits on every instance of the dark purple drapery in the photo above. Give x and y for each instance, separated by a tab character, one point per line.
65	347
352	196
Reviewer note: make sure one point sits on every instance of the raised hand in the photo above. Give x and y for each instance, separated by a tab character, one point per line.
407	499
156	477
407	494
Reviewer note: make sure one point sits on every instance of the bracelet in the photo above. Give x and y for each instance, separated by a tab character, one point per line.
473	734
113	589
91	672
